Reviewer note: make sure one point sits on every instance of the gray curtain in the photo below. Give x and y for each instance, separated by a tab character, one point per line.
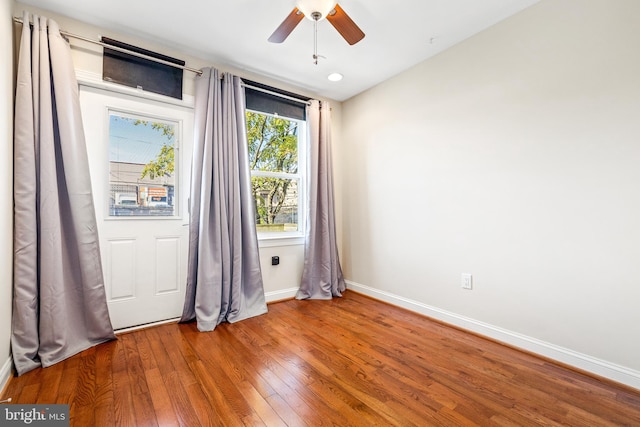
322	275
59	302
224	280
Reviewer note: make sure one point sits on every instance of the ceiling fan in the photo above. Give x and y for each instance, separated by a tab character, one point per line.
316	10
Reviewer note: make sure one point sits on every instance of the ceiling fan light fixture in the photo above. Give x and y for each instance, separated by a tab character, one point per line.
308	7
317	10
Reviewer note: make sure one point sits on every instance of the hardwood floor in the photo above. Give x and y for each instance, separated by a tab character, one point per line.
352	361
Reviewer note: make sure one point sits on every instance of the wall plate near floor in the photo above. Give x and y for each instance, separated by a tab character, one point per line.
466	281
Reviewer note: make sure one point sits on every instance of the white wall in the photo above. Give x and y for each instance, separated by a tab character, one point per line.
513	156
6	185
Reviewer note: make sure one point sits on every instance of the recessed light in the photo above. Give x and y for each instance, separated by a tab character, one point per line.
335	77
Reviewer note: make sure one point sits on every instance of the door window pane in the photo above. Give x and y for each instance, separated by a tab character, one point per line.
142	166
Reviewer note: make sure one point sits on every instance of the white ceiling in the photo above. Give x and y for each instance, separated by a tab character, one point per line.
399	34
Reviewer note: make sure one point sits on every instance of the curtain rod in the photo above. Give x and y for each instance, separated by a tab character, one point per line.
281	95
141	55
119	49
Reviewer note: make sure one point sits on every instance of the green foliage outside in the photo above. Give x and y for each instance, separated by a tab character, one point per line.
164	163
273	147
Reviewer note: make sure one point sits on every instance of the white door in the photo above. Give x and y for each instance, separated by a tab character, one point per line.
139	152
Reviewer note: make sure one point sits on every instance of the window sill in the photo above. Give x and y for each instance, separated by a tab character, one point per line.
266	240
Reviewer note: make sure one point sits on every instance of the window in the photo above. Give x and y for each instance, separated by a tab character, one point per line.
142	165
277	161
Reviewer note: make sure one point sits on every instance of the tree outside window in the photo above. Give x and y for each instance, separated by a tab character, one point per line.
274	158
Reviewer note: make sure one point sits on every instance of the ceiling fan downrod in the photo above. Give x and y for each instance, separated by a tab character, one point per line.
316	17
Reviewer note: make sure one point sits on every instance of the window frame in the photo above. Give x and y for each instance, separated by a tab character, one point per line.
293	237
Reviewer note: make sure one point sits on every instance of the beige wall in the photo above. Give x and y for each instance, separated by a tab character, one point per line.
513	156
6	186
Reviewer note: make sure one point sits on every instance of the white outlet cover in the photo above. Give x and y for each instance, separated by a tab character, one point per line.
466	281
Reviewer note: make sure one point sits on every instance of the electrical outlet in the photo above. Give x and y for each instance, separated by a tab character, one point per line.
466	281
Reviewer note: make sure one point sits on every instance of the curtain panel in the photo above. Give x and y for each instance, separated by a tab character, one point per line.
322	275
224	279
59	302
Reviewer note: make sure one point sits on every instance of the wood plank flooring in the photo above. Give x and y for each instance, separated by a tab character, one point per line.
352	361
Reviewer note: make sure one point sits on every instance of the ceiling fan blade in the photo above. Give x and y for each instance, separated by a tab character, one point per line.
345	25
287	26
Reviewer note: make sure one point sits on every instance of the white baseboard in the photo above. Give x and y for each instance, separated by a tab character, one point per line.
5	373
279	295
563	355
